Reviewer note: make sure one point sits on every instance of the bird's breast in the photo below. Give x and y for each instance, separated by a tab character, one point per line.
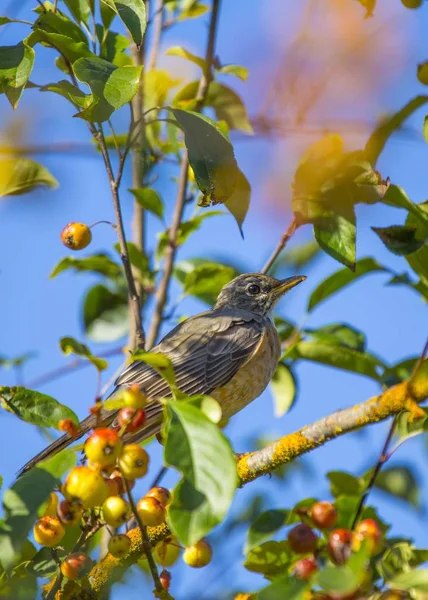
250	381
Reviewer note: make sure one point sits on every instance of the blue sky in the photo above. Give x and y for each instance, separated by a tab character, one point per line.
35	311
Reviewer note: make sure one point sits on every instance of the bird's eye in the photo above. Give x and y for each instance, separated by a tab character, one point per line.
254	289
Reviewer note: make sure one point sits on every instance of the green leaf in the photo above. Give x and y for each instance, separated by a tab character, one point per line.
105	314
68	47
21	504
400	482
10	363
80	9
239	202
58	23
108	12
284	390
113	47
149	199
340	334
35	408
159	362
341	279
419	259
22	175
97	263
339	357
237	70
271	558
112	87
285	589
398	558
137	257
183	53
43	564
211	157
69	345
342	483
264	527
416	579
425	129
297	257
133	15
346	506
203	278
16	64
336	234
397	197
68	91
196	447
185	230
383	132
399	239
226	103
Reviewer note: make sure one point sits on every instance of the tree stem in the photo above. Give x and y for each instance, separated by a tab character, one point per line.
289	232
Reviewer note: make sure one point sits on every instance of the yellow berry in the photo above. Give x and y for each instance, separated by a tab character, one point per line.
103	447
167	551
48	531
133	397
116	511
161	494
133	462
199	555
51	505
119	545
86	486
69	513
76	236
151	511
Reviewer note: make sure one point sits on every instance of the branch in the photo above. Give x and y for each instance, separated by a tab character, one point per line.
157	33
171	249
250	466
281	245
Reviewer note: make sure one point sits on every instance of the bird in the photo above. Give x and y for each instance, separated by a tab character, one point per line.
229	353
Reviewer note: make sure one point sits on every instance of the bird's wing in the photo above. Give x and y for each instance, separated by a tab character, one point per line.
205	351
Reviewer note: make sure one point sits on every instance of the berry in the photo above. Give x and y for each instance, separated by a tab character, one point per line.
305	568
69	513
103	447
165	579
133	462
323	515
48	531
302	539
119	545
116	511
51	505
76	236
368	530
199	555
151	511
161	494
68	426
131	419
76	565
412	3
86	486
339	545
133	397
167	551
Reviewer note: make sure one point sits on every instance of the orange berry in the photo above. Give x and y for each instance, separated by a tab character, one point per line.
324	515
76	565
69	513
167	551
48	531
133	462
76	236
68	426
116	511
133	397
199	555
151	511
86	486
119	545
131	419
165	579
339	545
161	494
368	530
103	446
302	539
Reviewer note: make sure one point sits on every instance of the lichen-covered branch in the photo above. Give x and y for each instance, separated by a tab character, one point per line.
403	396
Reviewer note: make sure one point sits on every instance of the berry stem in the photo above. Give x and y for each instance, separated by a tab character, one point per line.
106	222
147	545
285	238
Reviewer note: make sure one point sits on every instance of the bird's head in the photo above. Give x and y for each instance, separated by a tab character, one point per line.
255	292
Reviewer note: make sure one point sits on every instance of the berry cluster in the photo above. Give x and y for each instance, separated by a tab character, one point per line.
94	497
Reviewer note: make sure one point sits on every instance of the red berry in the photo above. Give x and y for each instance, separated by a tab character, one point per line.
76	236
165	579
323	515
69	513
305	568
131	419
68	426
339	545
76	565
302	539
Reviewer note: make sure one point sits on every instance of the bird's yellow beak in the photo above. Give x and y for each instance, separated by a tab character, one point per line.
286	284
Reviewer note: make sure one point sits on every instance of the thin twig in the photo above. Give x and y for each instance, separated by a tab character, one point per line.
157	32
281	245
171	249
132	291
159	477
420	360
383	457
147	545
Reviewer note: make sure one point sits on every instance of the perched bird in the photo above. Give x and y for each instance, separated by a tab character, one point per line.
229	352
